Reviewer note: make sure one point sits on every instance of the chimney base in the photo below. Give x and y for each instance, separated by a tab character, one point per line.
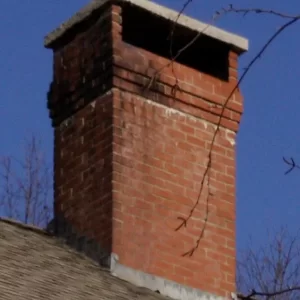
158	284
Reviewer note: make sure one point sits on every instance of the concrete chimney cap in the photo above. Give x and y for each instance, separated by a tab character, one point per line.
239	43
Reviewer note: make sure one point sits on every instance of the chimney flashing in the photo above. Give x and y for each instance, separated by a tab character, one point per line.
157	284
238	43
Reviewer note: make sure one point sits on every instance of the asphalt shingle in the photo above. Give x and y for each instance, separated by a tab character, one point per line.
36	265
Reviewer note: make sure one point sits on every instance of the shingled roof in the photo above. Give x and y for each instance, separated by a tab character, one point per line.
36	265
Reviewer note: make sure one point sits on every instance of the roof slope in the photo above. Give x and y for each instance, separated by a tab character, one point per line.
35	265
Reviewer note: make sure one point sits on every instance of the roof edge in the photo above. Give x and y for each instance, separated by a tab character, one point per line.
25	226
240	44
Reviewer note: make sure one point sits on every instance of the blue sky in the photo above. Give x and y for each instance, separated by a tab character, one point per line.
269	128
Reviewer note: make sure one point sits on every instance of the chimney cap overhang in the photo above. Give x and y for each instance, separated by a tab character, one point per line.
237	42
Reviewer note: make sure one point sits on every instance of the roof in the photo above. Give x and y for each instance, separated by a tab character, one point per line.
238	42
36	265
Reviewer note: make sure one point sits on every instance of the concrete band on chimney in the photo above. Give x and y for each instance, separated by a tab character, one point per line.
237	42
129	160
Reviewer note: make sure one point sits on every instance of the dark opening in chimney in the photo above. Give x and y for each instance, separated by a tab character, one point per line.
151	32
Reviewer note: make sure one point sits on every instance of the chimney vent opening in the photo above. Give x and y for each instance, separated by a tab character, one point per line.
152	33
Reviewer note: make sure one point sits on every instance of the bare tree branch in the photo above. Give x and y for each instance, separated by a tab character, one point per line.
245	11
272	271
25	186
292	165
269	295
224	106
290	22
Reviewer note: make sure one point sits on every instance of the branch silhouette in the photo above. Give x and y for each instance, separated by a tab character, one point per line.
25	185
180	51
245	11
291	20
255	293
230	9
206	172
291	163
271	271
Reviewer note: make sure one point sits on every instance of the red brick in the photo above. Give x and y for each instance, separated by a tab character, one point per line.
137	162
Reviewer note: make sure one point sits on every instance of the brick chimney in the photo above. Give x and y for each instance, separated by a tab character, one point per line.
131	148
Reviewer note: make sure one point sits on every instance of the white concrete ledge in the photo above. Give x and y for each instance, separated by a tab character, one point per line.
165	287
237	42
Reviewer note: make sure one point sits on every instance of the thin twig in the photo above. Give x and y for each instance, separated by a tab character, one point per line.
292	165
181	50
185	5
246	70
293	19
245	11
255	293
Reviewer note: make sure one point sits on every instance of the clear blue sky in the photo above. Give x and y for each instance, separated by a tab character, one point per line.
269	128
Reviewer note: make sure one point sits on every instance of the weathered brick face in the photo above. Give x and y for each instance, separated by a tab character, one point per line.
83	171
160	156
131	151
82	67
